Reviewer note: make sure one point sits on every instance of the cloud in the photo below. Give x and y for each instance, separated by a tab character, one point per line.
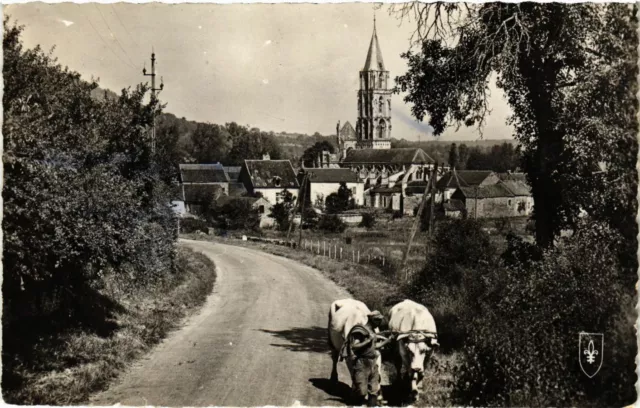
265	81
268	42
67	23
412	123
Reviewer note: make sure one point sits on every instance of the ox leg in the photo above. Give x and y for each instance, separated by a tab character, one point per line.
334	367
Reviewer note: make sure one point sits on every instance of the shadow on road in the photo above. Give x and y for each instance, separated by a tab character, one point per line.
306	339
340	391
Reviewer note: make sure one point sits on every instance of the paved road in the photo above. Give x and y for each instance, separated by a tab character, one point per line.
260	339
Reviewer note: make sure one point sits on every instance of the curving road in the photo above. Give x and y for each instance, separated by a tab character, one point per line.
260	339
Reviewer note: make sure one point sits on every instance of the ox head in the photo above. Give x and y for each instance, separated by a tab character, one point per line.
415	349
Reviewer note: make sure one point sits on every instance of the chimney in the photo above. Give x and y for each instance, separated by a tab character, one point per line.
266	156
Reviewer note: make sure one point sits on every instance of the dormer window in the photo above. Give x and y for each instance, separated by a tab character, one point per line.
277	181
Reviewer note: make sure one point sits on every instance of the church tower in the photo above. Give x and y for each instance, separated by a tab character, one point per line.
373	128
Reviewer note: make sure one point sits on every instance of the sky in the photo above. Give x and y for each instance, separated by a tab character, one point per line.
278	67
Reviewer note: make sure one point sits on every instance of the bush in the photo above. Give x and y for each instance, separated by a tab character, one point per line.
281	212
539	309
503	225
396	215
235	214
191	225
368	221
331	223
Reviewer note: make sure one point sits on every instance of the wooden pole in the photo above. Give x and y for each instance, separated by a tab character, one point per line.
340	253
433	196
295	208
416	222
324	248
353	255
304	196
358	256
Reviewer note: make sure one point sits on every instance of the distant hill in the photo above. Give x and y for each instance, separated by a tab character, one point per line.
293	145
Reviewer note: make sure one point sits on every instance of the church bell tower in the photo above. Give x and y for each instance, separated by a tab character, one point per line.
373	127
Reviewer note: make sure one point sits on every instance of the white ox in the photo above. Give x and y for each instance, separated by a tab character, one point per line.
344	315
416	336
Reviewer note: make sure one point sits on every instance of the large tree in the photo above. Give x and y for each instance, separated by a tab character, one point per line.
569	74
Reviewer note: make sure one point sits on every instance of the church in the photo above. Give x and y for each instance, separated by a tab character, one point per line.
392	176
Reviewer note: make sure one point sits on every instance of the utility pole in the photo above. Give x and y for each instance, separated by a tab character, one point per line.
153	96
414	227
304	196
433	196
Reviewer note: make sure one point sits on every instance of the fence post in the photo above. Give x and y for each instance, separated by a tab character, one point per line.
353	255
358	256
369	258
341	253
383	261
324	248
335	251
318	247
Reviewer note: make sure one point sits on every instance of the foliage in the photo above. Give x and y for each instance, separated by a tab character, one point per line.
281	211
235	214
331	223
191	225
501	158
309	219
313	153
368	220
81	190
540	307
340	201
453	156
565	69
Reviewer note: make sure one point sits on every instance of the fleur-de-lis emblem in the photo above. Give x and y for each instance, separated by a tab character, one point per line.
591	349
591	352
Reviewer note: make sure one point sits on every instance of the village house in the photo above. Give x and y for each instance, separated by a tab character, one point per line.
269	178
509	198
323	182
202	183
454	179
236	187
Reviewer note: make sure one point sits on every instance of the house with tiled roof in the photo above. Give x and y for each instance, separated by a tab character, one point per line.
510	198
325	181
454	179
201	183
269	178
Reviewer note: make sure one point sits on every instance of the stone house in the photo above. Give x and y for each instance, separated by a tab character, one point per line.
201	183
325	181
450	181
269	178
503	199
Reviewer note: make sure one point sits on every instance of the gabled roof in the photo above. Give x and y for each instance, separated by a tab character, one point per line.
513	176
203	173
347	132
405	155
416	187
518	188
337	175
374	55
466	178
233	172
271	173
387	190
198	193
490	191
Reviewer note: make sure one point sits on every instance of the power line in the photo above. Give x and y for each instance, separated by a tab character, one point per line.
101	38
123	26
114	36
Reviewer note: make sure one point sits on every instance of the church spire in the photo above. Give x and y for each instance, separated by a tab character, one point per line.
374	56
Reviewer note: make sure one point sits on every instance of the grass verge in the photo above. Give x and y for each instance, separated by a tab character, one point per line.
66	367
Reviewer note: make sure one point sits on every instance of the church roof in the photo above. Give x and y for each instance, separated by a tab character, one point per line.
405	155
374	56
348	132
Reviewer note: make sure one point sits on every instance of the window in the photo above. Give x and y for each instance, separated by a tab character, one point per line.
509	202
261	209
353	190
276	181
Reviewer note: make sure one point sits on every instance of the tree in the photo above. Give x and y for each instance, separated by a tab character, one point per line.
281	211
463	156
340	201
211	143
453	156
82	194
549	59
311	154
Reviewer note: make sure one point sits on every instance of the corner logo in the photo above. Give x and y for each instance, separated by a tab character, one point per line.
591	350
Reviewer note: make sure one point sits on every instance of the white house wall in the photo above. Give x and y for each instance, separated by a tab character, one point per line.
324	189
270	193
